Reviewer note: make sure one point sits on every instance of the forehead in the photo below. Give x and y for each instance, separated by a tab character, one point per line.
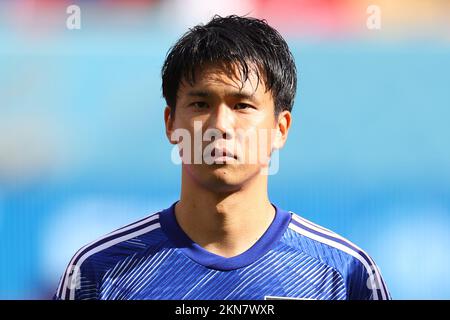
226	79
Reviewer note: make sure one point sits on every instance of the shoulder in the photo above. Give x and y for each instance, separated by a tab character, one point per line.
91	260
356	266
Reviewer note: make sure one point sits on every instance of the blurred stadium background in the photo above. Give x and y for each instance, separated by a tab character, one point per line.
83	151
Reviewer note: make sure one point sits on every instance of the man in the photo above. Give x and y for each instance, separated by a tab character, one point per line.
227	84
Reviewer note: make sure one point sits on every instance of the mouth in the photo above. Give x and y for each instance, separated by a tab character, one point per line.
223	155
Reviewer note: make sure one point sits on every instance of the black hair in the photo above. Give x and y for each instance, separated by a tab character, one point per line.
233	41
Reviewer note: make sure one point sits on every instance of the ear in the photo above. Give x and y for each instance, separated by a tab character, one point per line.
168	120
283	125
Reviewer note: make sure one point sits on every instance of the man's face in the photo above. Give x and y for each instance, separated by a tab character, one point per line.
232	128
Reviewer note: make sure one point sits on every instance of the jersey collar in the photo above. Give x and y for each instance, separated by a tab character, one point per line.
208	259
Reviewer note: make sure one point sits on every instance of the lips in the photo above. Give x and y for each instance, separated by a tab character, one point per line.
222	153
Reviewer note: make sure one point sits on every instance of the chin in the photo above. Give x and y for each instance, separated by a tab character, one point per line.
226	178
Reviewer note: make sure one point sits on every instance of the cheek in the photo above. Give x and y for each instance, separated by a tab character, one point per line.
265	140
257	143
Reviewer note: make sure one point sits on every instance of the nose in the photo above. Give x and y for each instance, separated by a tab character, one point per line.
223	120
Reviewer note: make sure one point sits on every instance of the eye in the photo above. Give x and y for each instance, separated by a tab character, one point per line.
199	105
241	106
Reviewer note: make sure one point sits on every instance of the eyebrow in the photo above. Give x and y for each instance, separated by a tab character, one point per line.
234	94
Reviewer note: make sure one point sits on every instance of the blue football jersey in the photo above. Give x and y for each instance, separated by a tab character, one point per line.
154	259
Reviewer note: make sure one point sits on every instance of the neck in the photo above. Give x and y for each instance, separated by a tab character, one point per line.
226	224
